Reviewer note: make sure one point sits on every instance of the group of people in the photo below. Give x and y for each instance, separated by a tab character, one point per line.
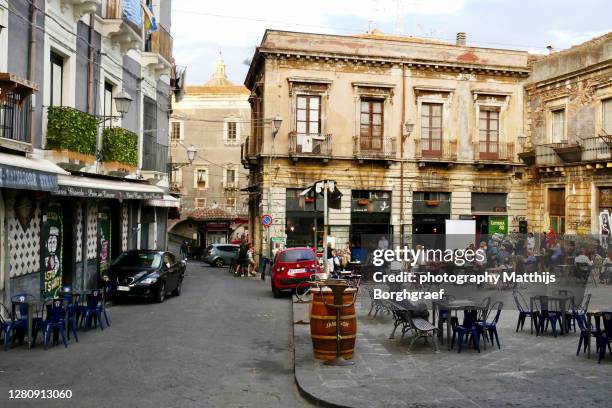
245	264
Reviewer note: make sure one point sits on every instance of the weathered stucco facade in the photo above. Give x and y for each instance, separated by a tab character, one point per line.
366	90
568	111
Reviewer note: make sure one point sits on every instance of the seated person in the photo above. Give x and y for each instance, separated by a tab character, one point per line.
583	259
606	269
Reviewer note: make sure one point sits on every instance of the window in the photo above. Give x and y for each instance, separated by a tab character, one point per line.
177	177
108	100
200	202
230	176
606	120
431	128
558	126
201	179
231	132
308	114
489	132
371	124
176	131
57	80
230	202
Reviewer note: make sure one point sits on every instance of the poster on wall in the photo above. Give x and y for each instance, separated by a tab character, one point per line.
498	225
604	228
52	250
104	239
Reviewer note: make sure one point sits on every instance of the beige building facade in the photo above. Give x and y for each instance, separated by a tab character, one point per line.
214	119
568	113
412	131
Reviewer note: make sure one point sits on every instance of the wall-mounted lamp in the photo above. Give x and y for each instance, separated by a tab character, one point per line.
408	128
276	124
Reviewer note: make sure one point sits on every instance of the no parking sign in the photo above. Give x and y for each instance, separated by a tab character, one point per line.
266	220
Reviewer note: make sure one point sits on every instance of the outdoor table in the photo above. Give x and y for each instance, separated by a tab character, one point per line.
33	306
450	306
350	276
563	303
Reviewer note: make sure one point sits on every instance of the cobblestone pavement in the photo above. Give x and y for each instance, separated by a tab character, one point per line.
225	342
528	371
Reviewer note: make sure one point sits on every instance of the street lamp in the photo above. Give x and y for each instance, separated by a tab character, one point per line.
408	128
192	153
276	124
123	101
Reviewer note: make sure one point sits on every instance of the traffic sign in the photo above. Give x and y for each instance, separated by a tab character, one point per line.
266	220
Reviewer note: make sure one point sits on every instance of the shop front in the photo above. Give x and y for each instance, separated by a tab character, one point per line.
370	218
604	212
304	220
490	210
430	210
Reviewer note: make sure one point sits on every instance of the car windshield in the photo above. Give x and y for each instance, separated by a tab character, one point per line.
138	260
297	255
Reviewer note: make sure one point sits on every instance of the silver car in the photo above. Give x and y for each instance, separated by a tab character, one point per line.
220	255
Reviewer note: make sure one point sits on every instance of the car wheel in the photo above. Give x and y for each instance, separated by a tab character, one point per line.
218	263
179	287
275	291
161	293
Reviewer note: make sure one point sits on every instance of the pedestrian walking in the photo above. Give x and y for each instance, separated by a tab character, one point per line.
184	250
243	260
251	261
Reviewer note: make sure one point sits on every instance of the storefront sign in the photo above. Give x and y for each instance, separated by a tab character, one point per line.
375	205
27	179
101	193
498	225
52	250
217	226
104	240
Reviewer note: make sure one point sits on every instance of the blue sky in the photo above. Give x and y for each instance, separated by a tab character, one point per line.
235	27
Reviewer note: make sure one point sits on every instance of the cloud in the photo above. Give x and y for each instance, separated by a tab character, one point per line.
200	29
565	38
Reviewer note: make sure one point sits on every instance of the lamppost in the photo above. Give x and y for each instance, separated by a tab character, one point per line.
123	101
276	124
408	128
192	152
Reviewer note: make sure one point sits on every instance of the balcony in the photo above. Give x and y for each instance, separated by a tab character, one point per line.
124	31
596	149
435	150
230	186
155	155
158	50
249	150
15	109
493	152
310	145
368	148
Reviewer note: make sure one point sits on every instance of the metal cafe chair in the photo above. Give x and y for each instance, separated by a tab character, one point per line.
523	309
92	310
467	330
547	313
55	320
605	337
490	328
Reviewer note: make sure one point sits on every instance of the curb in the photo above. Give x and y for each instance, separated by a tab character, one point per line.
319	402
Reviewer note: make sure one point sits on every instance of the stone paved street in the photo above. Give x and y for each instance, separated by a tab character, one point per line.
225	342
528	371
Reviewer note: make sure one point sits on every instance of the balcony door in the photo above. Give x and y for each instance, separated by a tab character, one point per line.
371	125
488	147
431	129
308	122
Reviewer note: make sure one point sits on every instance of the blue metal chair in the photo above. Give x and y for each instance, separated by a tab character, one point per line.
547	315
585	332
604	338
523	309
490	328
6	325
467	330
56	320
92	310
72	316
105	296
19	326
581	308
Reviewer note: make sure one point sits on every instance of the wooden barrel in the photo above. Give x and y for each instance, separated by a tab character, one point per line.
323	324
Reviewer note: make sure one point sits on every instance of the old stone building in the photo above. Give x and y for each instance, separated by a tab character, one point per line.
568	110
413	131
214	118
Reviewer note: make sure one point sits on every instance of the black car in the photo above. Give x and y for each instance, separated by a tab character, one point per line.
146	273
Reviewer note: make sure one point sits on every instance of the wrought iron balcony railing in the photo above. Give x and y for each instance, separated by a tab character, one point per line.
315	145
493	151
595	149
15	117
436	149
374	148
155	155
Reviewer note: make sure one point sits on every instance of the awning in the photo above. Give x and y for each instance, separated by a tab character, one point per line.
27	173
167	201
77	186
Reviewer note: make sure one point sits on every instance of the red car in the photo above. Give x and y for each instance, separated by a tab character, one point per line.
292	266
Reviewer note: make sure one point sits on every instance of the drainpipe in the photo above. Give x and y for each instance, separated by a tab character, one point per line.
90	66
32	60
402	140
